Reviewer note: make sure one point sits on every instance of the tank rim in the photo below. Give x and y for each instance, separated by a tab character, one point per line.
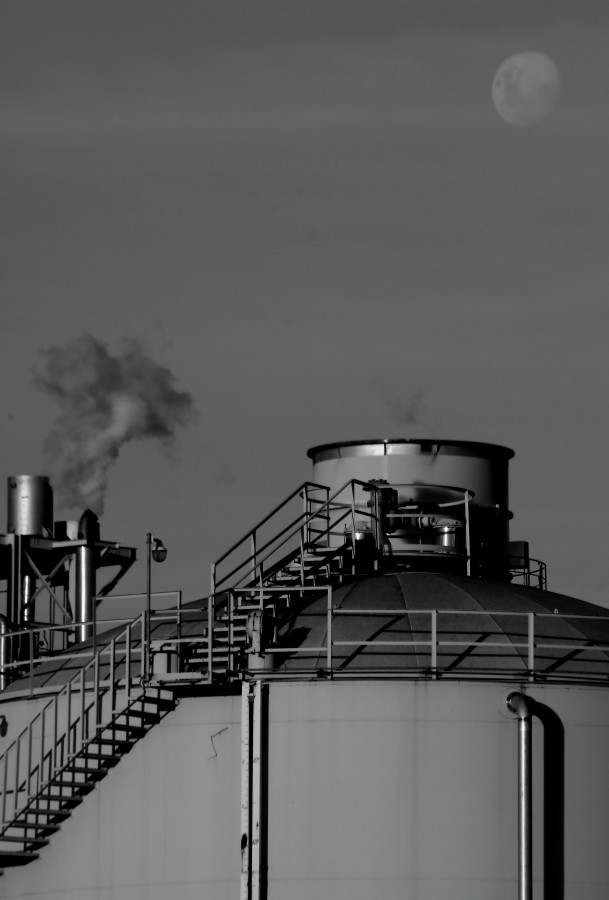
480	447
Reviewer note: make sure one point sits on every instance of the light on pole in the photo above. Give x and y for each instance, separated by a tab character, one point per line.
157	551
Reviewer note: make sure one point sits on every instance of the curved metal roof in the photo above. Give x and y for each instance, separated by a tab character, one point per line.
429	624
405	624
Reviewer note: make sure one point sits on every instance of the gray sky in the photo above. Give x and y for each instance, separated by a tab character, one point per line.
310	211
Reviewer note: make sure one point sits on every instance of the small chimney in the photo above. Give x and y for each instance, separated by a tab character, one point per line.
86	589
29	505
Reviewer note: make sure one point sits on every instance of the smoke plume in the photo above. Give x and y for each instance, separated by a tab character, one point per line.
405	409
105	401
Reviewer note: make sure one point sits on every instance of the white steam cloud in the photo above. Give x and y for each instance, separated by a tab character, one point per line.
105	401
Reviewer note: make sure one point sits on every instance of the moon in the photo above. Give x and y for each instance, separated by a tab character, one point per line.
526	88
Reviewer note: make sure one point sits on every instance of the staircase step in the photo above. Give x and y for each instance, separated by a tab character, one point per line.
46	828
135	731
144	715
51	813
106	758
8	859
167	703
12	839
121	745
94	774
82	787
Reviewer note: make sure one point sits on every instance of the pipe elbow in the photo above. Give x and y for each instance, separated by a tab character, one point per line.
519	704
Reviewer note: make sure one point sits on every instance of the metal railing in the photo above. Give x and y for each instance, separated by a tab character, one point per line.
72	717
439	643
256	556
533	574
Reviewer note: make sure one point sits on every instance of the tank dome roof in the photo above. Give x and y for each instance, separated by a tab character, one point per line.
387	622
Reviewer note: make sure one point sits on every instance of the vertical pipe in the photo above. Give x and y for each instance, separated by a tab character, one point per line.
28	588
519	705
246	701
84	613
257	794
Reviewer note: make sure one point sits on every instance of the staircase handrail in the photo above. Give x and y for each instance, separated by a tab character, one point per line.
66	691
294	527
246	537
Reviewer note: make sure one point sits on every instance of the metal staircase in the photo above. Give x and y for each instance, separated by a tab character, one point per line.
74	740
308	541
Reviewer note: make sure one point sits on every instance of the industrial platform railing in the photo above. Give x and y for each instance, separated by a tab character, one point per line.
105	681
254	637
306	519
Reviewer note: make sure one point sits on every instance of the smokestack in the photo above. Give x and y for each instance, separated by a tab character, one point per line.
86	587
29	514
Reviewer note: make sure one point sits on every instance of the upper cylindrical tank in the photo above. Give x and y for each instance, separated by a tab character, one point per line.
448	500
29	505
468	465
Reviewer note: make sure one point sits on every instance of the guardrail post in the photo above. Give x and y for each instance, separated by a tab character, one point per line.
55	732
82	706
17	775
4	785
210	636
41	767
112	678
128	661
531	642
31	649
329	630
468	548
29	764
96	708
253	554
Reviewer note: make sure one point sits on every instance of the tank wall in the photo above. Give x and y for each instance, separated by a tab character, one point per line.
409	792
164	823
399	790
